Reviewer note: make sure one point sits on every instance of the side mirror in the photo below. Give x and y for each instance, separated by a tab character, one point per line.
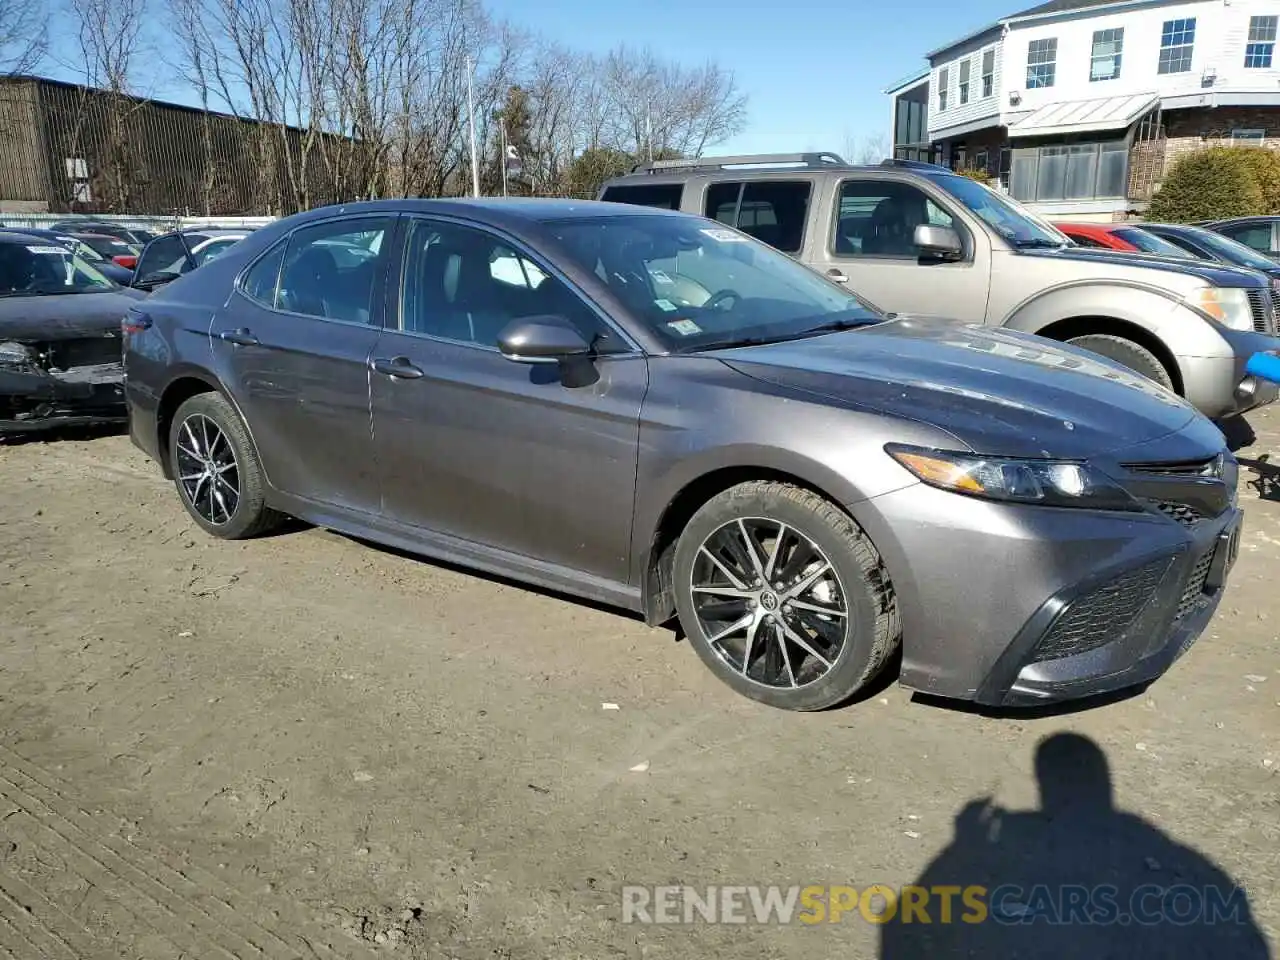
937	241
548	339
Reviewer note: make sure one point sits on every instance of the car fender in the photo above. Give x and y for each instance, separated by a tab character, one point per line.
1157	310
191	371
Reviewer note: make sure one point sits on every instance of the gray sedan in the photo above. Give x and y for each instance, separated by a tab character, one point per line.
652	410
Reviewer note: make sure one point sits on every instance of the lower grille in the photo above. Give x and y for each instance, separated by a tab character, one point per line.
1258	307
1099	617
83	352
1193	593
1181	512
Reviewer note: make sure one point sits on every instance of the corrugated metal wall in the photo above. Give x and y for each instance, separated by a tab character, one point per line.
79	150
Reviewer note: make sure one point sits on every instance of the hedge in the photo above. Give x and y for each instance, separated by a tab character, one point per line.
1219	182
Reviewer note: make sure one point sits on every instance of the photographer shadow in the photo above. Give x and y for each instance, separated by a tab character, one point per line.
1077	878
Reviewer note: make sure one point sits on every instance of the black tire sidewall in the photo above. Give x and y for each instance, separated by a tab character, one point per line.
249	507
1127	353
849	673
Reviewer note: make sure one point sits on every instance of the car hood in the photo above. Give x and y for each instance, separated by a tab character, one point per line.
64	317
998	391
1222	275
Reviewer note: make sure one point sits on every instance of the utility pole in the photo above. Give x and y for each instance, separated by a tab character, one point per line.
502	132
471	119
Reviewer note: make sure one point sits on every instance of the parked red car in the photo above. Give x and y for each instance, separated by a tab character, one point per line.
1129	237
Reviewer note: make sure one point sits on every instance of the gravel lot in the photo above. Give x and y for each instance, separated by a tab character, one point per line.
304	746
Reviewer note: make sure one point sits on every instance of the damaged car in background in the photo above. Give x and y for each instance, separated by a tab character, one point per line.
60	346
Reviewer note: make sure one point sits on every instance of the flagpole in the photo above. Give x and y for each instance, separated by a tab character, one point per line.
471	119
502	130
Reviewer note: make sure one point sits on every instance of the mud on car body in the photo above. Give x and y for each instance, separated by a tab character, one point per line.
60	346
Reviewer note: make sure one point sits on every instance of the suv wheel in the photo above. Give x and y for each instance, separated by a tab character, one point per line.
1133	355
216	470
784	597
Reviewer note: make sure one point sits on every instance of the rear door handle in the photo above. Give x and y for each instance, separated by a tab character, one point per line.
398	367
837	275
240	337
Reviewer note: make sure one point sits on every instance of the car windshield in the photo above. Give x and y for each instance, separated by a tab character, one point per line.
1018	225
1233	251
699	285
1150	243
38	269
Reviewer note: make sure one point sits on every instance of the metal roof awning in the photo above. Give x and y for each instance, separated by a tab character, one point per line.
1083	116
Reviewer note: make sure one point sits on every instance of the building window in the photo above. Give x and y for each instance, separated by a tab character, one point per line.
964	82
944	77
988	73
1177	38
1104	64
1251	134
1078	171
1262	42
1042	62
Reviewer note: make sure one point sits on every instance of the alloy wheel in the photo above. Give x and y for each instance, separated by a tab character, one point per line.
769	602
207	469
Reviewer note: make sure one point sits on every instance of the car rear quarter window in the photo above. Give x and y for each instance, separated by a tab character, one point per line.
261	279
663	195
773	211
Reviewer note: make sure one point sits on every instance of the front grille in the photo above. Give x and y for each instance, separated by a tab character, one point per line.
1275	304
1181	512
1258	307
83	352
1180	468
1193	593
1099	617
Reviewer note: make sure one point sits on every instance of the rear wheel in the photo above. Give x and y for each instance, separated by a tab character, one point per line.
1133	355
216	470
784	597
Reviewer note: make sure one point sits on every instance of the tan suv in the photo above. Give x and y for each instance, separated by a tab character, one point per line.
917	238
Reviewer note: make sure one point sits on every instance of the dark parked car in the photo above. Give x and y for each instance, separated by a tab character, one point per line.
170	255
654	410
1258	233
60	344
1208	245
134	235
113	271
120	252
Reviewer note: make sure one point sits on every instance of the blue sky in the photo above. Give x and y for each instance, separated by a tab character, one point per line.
813	69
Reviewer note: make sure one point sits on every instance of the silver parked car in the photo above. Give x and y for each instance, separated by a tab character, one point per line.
656	411
916	237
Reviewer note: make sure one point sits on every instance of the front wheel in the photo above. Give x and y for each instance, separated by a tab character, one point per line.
784	597
1132	355
216	469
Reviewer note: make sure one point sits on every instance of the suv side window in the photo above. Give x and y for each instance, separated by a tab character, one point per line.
1255	235
312	281
878	218
664	195
772	211
466	284
165	255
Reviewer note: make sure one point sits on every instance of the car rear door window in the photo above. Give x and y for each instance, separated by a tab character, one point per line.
313	283
773	211
877	218
1255	235
664	195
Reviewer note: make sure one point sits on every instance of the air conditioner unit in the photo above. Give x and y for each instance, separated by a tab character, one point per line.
1209	76
1015	97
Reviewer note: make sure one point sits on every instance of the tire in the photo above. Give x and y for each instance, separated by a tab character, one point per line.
248	516
824	676
1133	355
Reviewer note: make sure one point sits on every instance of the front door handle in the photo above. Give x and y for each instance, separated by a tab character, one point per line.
837	275
398	367
240	337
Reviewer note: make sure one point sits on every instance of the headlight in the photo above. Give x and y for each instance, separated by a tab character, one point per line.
1053	483
1228	305
15	354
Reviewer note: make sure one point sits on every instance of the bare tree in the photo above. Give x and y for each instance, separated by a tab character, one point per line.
873	150
24	35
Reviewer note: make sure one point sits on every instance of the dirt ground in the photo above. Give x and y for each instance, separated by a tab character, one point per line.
304	746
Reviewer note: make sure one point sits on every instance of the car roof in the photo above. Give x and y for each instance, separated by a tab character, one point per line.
1253	218
17	235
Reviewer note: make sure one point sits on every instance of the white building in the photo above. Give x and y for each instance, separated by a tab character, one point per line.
1078	106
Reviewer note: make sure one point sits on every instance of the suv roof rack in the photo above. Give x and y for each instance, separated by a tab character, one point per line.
820	159
912	164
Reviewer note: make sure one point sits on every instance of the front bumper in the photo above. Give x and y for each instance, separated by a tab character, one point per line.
1009	605
32	399
1221	387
